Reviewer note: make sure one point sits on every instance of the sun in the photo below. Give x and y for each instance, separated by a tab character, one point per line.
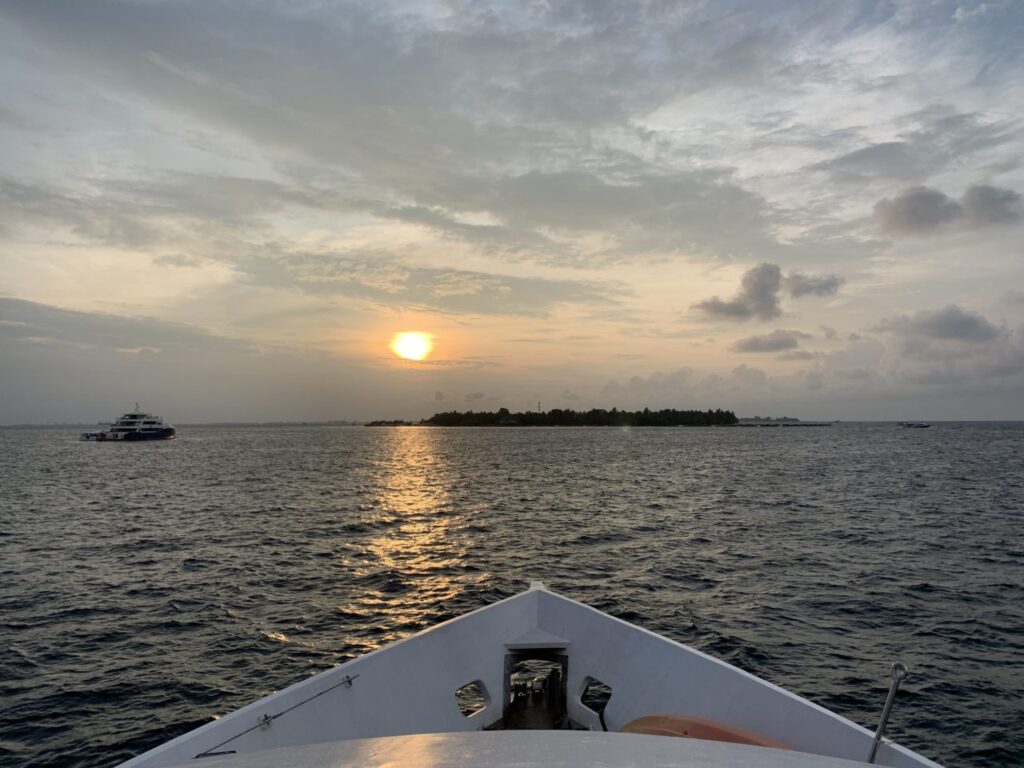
412	345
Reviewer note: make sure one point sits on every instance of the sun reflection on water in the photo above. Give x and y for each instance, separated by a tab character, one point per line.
412	567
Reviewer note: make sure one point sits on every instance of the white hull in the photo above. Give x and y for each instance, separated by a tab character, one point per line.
408	687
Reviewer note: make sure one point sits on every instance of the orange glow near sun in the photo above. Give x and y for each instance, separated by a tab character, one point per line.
412	345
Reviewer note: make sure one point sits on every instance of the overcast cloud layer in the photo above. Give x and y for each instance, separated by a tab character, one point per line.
226	209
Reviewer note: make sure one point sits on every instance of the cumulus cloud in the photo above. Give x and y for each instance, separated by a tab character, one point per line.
758	296
916	211
760	292
948	324
920	211
685	387
990	205
776	341
950	350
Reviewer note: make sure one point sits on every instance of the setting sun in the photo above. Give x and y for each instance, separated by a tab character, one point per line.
412	345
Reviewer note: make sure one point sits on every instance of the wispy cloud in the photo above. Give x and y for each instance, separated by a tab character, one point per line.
33	323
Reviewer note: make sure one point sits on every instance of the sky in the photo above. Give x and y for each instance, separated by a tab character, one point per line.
227	210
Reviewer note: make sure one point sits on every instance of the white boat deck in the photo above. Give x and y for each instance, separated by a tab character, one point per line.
533	749
409	688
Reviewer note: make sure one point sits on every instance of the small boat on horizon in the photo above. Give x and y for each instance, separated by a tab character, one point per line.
535	680
914	424
133	427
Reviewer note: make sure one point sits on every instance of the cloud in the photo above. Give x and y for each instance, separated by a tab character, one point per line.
758	296
383	279
950	351
177	260
760	289
916	211
686	387
638	206
464	363
948	324
549	135
921	211
28	322
892	159
800	354
473	397
90	217
323	176
12	119
927	142
964	14
800	284
745	377
776	341
983	205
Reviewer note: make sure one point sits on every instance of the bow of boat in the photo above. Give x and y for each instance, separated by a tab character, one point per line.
410	688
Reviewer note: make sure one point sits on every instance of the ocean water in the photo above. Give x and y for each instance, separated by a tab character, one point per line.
145	588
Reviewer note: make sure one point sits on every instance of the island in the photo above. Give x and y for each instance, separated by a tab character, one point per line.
596	417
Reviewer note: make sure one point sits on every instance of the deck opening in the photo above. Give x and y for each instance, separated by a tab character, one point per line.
595	695
535	693
472	698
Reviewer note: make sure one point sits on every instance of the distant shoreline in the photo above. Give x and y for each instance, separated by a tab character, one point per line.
400	423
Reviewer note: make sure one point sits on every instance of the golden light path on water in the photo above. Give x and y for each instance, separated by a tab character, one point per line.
410	569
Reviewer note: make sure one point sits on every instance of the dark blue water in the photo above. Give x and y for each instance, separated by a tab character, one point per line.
145	588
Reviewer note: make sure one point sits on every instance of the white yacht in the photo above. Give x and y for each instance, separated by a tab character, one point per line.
535	680
134	426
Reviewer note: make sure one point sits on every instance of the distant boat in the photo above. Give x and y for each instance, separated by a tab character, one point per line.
134	426
534	680
914	424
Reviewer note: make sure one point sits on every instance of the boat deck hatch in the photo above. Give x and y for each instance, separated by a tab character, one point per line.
535	690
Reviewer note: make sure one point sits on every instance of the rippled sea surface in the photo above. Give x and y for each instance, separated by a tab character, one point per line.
147	587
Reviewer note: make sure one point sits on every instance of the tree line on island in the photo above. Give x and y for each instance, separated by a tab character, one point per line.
559	417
